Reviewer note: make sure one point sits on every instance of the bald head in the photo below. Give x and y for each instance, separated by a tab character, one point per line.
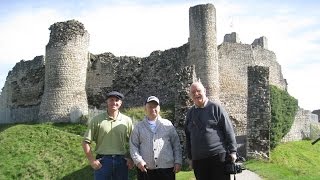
198	85
198	94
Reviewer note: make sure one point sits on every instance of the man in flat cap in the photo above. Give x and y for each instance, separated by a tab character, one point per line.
155	145
110	131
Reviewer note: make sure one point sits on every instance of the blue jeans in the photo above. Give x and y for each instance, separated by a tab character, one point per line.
114	167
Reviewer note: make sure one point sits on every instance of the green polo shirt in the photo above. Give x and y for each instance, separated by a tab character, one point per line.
110	135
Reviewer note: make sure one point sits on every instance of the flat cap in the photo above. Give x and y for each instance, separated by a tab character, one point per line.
115	94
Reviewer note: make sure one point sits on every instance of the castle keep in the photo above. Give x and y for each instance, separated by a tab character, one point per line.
63	84
64	97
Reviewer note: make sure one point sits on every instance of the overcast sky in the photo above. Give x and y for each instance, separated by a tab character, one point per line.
138	27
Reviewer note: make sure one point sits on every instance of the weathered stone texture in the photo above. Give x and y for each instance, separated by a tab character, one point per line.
317	112
264	57
232	38
153	75
100	78
64	96
234	59
137	78
300	128
184	78
101	72
73	79
259	112
21	95
24	82
203	47
262	42
62	33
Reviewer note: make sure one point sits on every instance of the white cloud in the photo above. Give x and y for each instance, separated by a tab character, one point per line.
295	40
24	35
137	30
304	86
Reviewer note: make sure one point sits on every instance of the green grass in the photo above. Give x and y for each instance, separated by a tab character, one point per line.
294	160
52	151
39	151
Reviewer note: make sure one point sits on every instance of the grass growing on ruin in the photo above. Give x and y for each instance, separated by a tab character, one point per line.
295	161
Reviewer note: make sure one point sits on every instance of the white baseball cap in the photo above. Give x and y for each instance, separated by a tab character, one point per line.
152	98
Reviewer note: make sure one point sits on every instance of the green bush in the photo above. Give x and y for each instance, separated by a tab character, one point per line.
283	110
138	113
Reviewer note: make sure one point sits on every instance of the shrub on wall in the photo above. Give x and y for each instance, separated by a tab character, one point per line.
283	110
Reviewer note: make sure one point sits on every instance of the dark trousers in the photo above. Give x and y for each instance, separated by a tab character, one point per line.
211	168
156	174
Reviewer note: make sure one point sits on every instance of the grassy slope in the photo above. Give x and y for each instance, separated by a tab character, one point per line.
53	151
295	161
40	151
46	151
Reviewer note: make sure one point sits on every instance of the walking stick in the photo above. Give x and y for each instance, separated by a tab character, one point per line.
316	140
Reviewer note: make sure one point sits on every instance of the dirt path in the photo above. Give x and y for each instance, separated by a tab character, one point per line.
247	175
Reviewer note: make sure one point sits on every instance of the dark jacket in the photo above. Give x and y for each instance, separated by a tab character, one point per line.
208	132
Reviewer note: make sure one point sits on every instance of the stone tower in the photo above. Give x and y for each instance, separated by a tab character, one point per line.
258	113
66	61
203	47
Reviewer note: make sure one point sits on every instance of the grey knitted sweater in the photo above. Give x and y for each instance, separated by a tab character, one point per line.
160	149
208	132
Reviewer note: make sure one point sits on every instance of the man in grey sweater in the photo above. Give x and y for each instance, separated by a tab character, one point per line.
155	146
209	136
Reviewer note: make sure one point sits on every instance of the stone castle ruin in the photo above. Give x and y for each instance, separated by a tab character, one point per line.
69	81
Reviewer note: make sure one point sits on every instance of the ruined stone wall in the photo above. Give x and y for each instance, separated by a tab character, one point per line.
153	75
203	47
231	38
301	126
73	78
259	112
65	98
264	57
137	78
21	94
261	42
184	78
234	58
317	112
4	108
101	73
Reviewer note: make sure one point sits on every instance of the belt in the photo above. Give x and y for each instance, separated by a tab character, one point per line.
109	155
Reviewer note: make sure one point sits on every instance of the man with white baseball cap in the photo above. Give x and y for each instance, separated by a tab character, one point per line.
155	146
152	98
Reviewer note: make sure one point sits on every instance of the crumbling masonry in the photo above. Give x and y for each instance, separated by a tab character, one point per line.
61	86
